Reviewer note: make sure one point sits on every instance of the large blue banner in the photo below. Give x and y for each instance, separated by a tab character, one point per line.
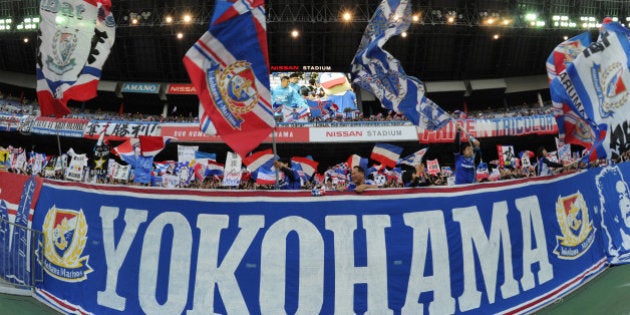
488	248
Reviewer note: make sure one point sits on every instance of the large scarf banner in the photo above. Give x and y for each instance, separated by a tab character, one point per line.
487	248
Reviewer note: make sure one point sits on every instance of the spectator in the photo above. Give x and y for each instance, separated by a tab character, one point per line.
358	182
465	155
545	165
291	178
416	177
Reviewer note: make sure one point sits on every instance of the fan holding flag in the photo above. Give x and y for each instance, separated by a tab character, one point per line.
465	158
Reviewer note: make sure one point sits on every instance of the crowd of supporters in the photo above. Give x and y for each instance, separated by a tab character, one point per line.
344	176
11	105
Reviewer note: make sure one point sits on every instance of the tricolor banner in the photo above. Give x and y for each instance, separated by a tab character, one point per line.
228	66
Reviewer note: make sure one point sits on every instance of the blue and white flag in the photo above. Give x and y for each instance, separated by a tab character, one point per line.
72	51
414	158
432	116
378	72
594	87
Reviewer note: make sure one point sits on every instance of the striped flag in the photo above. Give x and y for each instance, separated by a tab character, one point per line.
386	154
308	165
258	159
356	160
228	66
266	176
415	158
71	54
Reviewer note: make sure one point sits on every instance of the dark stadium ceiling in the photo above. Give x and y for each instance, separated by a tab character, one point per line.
435	49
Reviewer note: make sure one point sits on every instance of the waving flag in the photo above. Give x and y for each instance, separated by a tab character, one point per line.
214	168
258	159
415	158
594	87
571	128
265	176
228	66
127	149
71	53
432	116
377	71
387	154
564	54
356	160
151	146
308	165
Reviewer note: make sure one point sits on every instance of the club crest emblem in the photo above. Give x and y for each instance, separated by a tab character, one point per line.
65	236
577	229
614	93
234	91
64	45
571	50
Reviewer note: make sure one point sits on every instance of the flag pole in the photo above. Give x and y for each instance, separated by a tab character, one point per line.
275	154
58	142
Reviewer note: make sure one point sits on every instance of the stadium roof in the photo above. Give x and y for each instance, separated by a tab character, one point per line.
451	40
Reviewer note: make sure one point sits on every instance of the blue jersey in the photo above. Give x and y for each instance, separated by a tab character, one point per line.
352	186
464	169
285	96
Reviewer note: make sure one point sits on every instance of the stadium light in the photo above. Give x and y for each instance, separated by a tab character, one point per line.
295	33
187	18
403	34
496	36
25	40
346	16
565	37
180	35
416	17
531	16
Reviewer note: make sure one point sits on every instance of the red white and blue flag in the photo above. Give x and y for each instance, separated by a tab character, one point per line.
229	66
146	146
308	165
71	53
258	159
357	160
386	154
266	176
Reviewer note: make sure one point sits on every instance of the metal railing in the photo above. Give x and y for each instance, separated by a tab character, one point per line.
21	250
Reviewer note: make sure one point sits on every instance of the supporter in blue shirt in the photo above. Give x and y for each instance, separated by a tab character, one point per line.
291	179
544	164
358	182
465	158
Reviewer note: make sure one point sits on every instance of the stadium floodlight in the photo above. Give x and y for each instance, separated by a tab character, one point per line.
531	16
346	16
